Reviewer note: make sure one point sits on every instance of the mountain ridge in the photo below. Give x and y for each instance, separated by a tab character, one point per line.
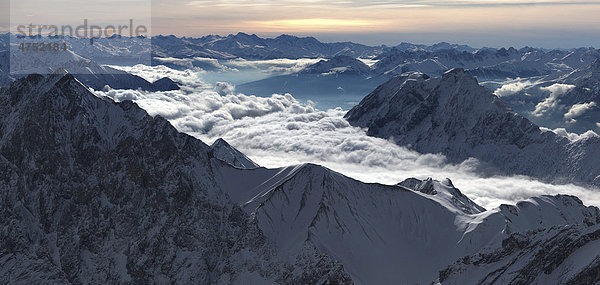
457	117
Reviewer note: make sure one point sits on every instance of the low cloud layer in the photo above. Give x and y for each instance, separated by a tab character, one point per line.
280	131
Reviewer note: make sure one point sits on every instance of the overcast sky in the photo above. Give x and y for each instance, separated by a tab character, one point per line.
545	23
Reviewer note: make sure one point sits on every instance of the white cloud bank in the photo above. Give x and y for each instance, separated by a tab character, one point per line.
512	88
207	64
280	131
551	103
278	66
578	110
188	77
571	136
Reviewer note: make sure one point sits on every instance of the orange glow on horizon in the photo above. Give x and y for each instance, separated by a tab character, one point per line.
318	24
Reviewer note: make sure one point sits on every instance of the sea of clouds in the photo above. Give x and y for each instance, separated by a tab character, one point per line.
280	131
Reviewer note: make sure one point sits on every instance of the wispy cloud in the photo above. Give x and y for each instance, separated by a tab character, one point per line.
315	24
387	3
483	22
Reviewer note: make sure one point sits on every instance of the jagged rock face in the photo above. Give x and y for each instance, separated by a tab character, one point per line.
550	254
455	116
94	191
559	255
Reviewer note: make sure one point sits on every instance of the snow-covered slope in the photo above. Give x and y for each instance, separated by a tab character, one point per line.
222	150
454	115
386	234
443	192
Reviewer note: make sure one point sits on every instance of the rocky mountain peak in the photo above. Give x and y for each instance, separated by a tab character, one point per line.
444	192
223	151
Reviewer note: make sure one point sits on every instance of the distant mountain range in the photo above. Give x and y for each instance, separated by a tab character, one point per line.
92	74
564	100
342	80
94	191
488	63
339	78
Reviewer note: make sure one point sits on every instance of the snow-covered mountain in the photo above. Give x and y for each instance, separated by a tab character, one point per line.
172	46
486	63
130	51
389	234
404	46
339	65
85	70
4	40
493	66
5	77
222	150
95	191
457	117
254	47
581	109
115	50
564	98
284	46
537	257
